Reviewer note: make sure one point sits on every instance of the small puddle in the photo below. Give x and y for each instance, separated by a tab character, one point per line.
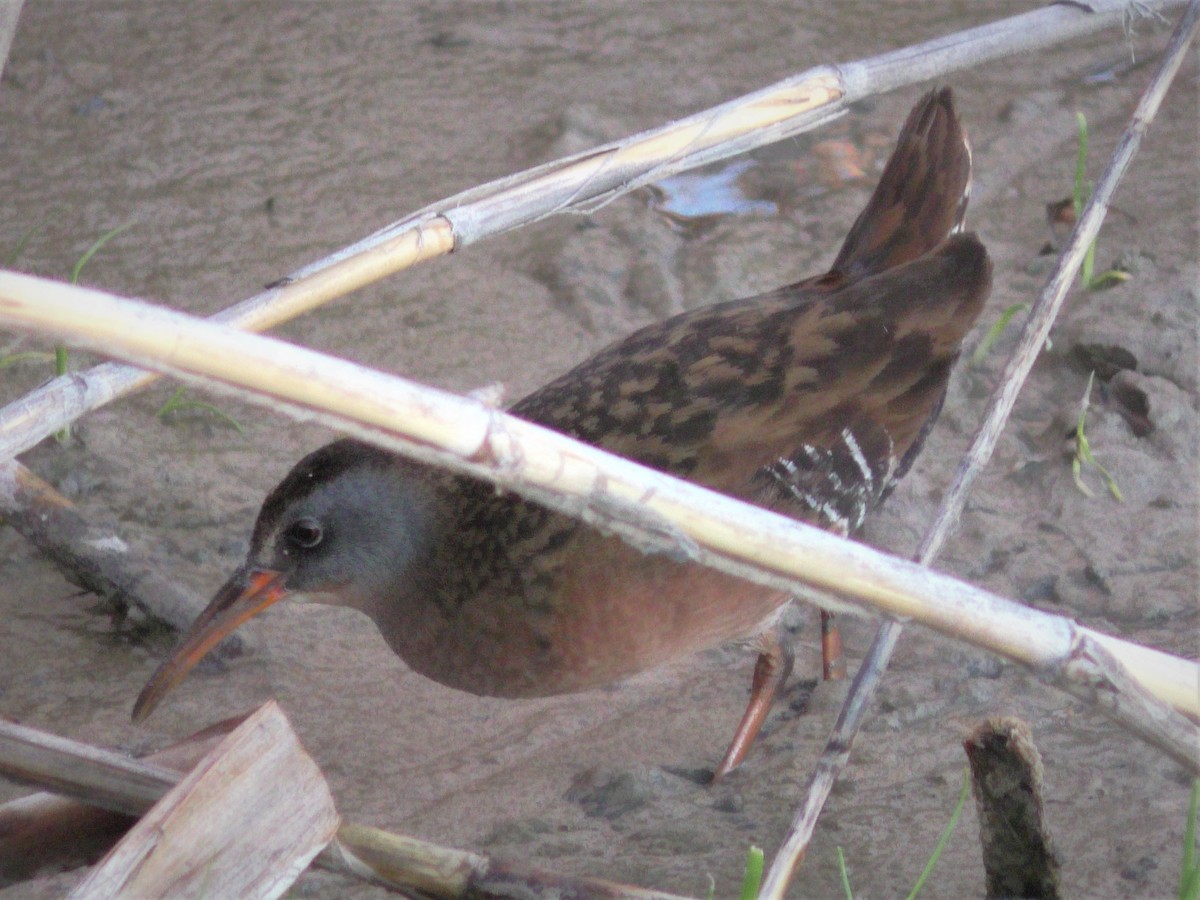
714	191
771	186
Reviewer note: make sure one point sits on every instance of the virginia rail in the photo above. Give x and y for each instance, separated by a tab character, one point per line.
811	400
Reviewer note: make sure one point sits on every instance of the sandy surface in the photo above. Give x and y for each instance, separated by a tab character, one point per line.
246	139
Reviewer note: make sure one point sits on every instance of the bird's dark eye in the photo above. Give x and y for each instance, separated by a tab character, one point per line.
304	534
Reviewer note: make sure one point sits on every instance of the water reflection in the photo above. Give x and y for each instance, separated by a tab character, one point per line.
714	191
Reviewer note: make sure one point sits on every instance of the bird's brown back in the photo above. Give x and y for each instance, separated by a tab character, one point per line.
811	399
716	394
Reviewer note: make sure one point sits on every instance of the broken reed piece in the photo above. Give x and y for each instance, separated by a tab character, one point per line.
404	863
1006	779
394	861
245	822
44	832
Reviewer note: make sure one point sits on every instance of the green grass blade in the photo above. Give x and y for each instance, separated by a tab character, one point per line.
945	838
993	333
1087	269
172	404
1190	888
849	894
1083	452
1080	196
95	248
25	356
1109	278
61	361
11	259
176	403
752	879
1189	876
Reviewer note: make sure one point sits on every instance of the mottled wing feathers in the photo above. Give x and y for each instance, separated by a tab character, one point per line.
811	399
716	394
889	377
662	394
834	480
921	196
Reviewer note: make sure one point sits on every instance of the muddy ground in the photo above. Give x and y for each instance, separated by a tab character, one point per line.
246	139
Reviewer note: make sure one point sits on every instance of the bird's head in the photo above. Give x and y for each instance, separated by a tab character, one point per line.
340	529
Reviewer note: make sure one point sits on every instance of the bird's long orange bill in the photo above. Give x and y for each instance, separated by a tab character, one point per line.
247	593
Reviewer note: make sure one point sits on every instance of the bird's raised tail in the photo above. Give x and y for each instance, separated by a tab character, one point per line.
921	198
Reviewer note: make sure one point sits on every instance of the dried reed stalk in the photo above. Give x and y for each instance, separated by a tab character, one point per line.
47	832
10	11
651	510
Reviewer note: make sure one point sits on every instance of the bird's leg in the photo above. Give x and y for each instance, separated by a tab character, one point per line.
770	672
833	663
